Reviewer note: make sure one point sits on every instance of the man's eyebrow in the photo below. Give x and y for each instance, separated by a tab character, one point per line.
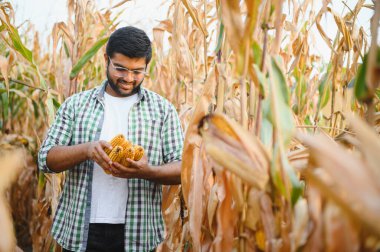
118	65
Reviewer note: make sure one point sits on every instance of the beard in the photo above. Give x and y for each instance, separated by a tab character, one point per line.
115	87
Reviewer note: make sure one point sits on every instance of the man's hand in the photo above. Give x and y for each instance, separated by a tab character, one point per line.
166	174
136	169
96	153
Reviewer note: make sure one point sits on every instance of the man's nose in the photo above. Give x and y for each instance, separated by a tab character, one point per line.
129	77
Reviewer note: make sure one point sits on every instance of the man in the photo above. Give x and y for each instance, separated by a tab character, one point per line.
120	211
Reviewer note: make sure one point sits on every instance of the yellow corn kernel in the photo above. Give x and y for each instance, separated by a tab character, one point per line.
260	239
115	154
127	153
126	144
117	140
139	152
107	151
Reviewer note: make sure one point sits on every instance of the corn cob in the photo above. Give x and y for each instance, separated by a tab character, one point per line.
127	153
260	239
117	140
116	154
126	144
139	152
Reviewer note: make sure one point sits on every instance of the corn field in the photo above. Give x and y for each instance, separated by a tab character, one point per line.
281	147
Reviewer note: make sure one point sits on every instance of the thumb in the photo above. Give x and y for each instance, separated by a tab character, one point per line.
132	162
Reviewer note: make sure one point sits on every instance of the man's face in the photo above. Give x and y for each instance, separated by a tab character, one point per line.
124	74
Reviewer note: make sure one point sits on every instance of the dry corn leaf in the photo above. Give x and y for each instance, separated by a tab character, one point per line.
315	240
192	140
195	17
348	189
211	208
369	144
119	4
171	208
253	211
340	234
268	220
343	29
372	74
11	163
195	200
231	18
4	70
299	233
226	217
319	27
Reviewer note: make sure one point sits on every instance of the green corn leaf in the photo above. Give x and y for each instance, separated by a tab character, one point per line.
36	109
281	117
257	53
324	92
5	104
297	187
86	57
41	184
16	40
56	103
377	92
262	79
360	89
279	78
220	37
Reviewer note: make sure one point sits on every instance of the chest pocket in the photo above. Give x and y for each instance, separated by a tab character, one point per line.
148	135
150	132
87	125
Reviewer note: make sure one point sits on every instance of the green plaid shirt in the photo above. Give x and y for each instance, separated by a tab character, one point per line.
153	124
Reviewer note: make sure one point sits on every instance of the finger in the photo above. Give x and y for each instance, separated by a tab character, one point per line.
121	171
132	163
101	162
115	173
122	168
105	144
103	155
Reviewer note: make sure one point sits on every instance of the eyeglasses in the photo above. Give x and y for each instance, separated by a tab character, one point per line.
124	72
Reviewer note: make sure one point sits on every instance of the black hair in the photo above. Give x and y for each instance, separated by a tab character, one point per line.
131	42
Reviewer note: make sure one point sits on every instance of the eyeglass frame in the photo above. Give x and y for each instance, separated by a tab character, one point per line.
135	73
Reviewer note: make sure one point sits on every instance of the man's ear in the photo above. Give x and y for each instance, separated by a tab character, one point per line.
106	59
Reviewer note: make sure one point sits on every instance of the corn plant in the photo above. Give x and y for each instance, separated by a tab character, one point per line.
280	147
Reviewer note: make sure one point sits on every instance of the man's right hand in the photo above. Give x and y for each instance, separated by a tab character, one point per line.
95	152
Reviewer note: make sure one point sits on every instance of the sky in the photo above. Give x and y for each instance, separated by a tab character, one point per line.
145	14
44	13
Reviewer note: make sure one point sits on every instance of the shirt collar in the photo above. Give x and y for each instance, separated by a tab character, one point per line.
99	92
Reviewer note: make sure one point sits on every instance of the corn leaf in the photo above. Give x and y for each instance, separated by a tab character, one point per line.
324	91
361	89
86	57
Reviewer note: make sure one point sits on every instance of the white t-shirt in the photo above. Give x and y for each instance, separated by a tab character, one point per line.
110	194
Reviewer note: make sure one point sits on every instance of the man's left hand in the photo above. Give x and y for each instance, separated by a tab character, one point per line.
136	169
